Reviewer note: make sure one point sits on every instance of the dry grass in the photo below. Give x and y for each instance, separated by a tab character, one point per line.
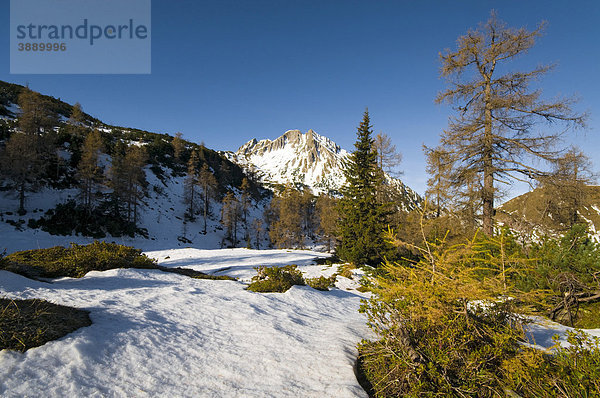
25	324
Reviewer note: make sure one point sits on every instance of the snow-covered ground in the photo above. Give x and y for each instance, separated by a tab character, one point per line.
162	334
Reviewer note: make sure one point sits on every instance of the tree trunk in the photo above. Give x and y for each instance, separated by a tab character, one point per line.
488	166
205	207
22	198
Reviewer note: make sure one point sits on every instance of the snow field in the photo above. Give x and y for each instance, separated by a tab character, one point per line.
161	334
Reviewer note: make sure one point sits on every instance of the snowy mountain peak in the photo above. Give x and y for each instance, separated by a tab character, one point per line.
310	160
307	160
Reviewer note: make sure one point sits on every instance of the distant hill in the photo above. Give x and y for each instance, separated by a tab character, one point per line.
531	211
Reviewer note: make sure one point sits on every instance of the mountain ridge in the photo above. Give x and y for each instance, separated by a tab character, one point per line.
307	160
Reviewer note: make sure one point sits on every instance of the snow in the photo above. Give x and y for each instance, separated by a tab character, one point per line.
541	331
161	215
162	334
289	159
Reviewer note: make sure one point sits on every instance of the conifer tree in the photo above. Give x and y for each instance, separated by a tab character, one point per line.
245	207
230	218
492	134
22	164
128	181
28	152
89	172
286	224
362	217
565	187
35	116
77	117
388	158
439	166
191	195
136	160
208	184
178	146
259	230
327	214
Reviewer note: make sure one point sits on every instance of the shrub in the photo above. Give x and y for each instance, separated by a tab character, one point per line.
321	283
446	328
276	279
432	339
345	270
572	371
569	268
75	261
196	274
30	323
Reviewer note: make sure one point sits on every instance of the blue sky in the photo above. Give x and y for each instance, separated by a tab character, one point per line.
224	72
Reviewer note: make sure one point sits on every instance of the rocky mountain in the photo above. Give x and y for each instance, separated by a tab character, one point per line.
306	160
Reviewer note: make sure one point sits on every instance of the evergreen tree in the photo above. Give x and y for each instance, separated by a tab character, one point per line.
245	207
362	217
89	172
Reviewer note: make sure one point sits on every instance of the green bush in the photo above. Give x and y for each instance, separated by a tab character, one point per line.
75	261
321	283
276	279
30	323
569	269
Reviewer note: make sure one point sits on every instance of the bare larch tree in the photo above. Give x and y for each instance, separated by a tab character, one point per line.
493	133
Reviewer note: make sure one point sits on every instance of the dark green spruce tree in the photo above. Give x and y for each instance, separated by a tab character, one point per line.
362	216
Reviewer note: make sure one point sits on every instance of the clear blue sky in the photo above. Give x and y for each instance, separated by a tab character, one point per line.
224	72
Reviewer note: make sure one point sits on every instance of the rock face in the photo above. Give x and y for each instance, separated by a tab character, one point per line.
306	160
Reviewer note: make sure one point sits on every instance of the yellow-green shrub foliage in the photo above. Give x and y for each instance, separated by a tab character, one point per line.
442	328
75	261
276	279
572	371
321	283
447	327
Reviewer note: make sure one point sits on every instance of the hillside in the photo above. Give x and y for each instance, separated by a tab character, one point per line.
162	209
532	211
